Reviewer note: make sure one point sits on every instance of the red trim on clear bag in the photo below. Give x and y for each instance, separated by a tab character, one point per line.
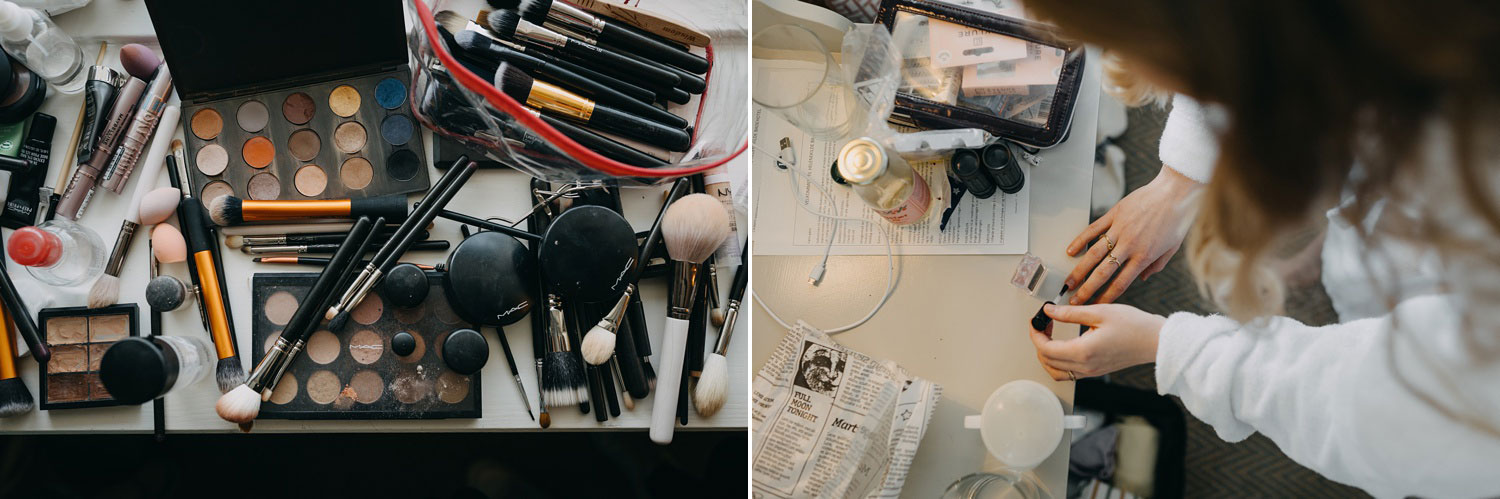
564	144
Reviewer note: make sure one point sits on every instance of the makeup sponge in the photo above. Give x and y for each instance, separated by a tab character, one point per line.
139	61
167	244
159	204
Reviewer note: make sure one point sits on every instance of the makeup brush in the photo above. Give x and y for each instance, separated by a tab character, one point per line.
605	146
21	316
665	88
237	242
242	404
229	373
636	316
106	290
284	229
599	344
609	33
469	37
509	25
713	384
231	210
15	398
437	197
562	103
692	228
438	245
321	262
563	379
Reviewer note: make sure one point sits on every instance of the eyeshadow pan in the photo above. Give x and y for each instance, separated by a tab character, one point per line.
356	173
390	93
264	186
323	386
215	190
96	354
304	144
322	347
212	159
444	312
286	389
69	359
258	152
108	327
344	101
97	391
67	388
402	165
410	315
252	116
368	386
452	387
311	180
396	129
298	108
270	341
369	310
207	124
349	137
65	330
280	307
366	346
410	388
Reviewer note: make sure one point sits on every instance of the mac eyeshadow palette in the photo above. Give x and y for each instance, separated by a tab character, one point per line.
355	374
79	336
322	115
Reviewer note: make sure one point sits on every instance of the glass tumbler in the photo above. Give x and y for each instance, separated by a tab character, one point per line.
795	76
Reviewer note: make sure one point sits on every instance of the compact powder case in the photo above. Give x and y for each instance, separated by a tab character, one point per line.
293	99
386	364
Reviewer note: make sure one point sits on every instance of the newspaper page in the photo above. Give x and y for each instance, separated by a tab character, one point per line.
827	421
994	226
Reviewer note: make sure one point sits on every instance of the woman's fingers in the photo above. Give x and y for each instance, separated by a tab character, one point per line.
1088	315
1088	263
1107	267
1122	281
1091	233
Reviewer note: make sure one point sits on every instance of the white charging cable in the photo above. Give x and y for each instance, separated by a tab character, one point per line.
793	165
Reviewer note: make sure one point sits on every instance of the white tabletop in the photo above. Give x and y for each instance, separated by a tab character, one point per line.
488	193
955	320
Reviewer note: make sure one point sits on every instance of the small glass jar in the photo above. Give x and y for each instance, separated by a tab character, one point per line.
138	370
885	182
58	252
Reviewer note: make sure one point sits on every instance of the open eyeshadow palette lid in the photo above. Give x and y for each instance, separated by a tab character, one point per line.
79	336
355	374
289	99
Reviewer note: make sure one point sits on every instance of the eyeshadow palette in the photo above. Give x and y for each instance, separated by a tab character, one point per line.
79	336
355	374
293	99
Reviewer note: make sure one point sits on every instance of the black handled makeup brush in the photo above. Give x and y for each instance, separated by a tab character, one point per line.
25	324
667	90
15	398
537	222
605	146
323	249
713	383
475	43
687	82
509	25
437	197
563	378
454	26
239	242
693	228
562	103
609	33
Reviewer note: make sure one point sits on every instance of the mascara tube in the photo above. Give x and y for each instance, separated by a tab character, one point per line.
86	177
98	97
133	142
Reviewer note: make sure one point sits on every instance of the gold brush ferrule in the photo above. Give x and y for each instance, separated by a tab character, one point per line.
547	96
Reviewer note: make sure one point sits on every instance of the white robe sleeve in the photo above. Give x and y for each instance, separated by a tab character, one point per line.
1329	398
1188	144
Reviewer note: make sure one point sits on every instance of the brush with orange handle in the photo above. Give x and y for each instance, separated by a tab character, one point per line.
229	210
229	373
15	398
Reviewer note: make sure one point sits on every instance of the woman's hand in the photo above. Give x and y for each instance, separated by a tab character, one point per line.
1145	229
1120	336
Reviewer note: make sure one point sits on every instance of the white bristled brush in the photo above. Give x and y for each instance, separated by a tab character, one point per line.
692	228
713	384
599	344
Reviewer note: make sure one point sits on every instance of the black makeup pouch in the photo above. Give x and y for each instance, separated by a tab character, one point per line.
966	68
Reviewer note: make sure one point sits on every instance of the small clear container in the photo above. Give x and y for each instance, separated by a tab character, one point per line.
1008	485
138	370
31	37
58	252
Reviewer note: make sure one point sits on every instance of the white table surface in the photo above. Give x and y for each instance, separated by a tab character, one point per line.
955	320
488	193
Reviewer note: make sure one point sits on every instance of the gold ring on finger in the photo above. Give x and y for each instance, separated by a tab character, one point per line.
1072	377
1111	259
1109	245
